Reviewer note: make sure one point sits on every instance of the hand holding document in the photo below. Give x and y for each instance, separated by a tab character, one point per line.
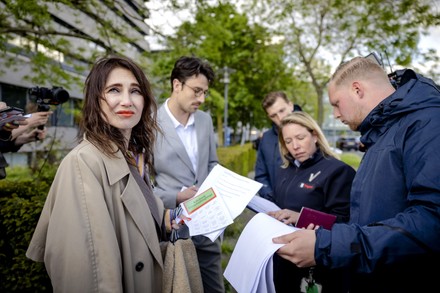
221	198
250	266
207	211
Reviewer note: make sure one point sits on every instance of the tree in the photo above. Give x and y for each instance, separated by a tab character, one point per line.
59	49
320	34
226	38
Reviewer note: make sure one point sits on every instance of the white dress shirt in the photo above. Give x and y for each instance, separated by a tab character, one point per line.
187	134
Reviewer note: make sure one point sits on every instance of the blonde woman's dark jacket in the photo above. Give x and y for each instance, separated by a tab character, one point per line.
96	232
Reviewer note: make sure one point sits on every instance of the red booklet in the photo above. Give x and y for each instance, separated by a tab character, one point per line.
310	216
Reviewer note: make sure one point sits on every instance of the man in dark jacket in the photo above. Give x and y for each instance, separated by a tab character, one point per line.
277	106
392	240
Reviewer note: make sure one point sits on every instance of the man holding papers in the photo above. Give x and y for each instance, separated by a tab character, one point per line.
391	243
185	153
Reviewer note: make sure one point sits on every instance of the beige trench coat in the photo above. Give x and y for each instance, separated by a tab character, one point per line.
96	232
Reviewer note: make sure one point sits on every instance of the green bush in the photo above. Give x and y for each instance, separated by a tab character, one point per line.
351	159
21	202
238	158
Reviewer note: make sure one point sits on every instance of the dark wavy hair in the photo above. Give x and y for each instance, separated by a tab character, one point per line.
103	135
187	66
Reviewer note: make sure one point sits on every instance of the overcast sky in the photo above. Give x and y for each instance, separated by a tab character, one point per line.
166	21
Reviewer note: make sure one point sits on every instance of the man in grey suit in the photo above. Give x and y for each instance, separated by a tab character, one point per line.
186	152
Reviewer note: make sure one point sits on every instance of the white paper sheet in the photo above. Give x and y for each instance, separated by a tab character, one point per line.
210	213
250	267
262	205
235	191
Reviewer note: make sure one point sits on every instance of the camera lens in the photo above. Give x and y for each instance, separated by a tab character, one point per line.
60	96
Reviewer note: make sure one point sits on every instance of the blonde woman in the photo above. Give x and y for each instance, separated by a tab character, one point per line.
311	176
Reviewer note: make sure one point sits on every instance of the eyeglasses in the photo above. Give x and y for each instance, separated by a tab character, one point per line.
198	91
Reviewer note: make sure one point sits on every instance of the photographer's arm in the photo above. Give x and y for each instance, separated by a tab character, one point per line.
34	135
36	119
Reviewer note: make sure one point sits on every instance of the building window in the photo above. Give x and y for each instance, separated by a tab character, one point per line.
13	96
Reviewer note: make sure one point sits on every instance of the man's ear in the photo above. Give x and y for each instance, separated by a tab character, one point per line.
176	84
357	89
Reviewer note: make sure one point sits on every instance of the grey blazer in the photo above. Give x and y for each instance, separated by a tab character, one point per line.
172	165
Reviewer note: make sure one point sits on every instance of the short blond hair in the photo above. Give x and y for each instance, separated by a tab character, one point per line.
305	120
358	67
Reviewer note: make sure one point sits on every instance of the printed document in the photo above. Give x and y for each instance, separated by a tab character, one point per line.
250	267
207	211
230	190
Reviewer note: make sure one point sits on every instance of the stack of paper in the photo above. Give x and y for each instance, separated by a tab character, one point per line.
250	266
221	198
262	205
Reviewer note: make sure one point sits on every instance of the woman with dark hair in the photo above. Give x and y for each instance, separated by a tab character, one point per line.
101	225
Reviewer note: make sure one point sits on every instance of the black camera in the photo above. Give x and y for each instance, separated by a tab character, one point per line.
45	97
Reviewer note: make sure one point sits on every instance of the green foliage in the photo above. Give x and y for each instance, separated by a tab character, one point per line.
21	202
32	28
22	197
239	158
43	173
227	38
321	34
351	159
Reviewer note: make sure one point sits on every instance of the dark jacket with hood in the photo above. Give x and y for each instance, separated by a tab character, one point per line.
392	243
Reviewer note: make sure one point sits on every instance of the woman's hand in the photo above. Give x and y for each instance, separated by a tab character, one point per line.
285	215
185	194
